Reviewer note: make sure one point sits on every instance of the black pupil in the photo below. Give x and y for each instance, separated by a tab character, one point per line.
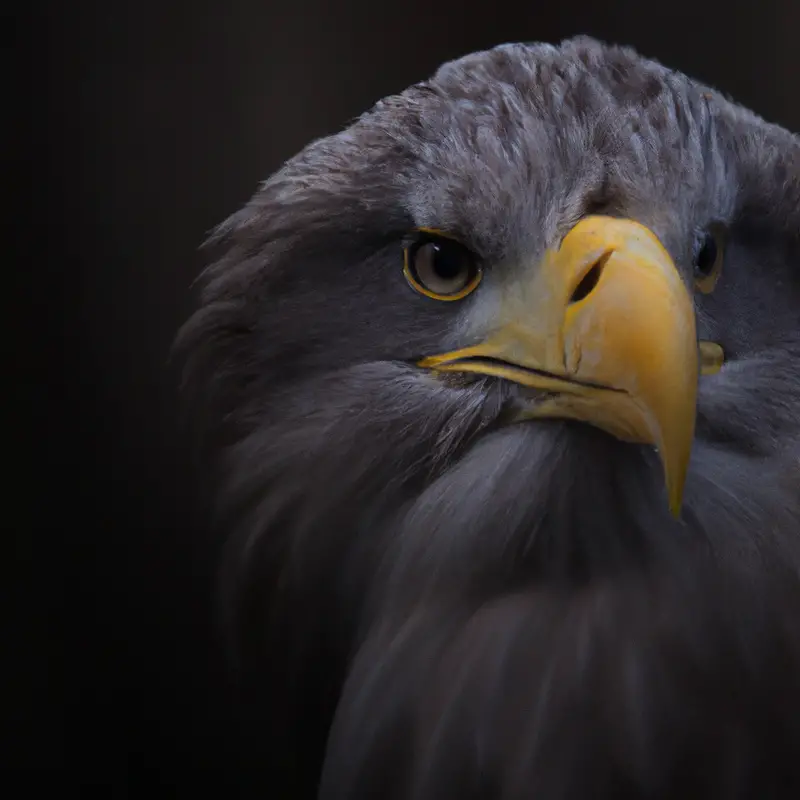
447	261
707	257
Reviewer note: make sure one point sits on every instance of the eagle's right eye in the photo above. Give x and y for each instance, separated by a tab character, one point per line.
440	267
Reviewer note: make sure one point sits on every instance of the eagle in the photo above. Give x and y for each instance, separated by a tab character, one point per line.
503	387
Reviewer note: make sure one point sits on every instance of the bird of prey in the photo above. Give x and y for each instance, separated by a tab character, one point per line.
505	380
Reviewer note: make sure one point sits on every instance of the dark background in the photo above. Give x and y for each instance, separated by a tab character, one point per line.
146	124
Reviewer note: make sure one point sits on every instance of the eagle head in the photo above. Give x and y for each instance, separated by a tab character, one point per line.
507	381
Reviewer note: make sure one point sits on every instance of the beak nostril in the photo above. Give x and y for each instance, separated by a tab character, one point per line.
590	279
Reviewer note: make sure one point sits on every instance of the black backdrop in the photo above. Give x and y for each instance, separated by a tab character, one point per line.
159	120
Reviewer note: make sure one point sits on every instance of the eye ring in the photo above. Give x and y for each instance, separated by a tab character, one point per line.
708	259
440	267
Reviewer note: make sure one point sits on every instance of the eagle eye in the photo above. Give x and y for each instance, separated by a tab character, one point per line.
708	258
440	267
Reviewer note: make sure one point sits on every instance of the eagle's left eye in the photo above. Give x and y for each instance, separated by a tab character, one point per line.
708	257
440	267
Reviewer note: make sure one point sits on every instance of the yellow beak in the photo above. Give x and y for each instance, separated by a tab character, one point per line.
606	330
